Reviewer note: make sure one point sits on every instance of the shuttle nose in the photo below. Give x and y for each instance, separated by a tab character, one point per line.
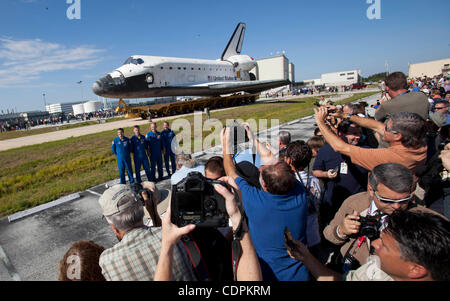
97	88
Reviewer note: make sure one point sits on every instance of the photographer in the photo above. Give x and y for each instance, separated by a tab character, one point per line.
414	246
248	268
134	257
401	98
389	189
405	133
341	176
281	202
445	157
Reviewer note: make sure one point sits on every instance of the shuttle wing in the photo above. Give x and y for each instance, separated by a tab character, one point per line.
218	88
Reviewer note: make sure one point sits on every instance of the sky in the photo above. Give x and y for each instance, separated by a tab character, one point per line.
42	51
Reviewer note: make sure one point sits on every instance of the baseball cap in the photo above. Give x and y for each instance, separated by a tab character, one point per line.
111	198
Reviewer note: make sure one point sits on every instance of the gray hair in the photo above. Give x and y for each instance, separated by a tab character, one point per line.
394	176
186	160
411	126
285	137
130	217
352	107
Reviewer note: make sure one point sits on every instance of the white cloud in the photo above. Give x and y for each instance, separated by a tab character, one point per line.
23	61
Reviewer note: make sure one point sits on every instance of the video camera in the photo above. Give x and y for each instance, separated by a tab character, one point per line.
370	226
195	201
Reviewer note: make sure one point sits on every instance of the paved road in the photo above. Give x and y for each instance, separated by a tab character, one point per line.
35	245
92	129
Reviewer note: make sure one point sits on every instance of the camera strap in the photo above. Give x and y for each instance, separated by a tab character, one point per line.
236	248
196	258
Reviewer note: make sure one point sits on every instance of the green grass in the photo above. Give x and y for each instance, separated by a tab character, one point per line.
36	174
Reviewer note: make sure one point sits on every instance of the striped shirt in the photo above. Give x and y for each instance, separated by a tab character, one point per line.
136	256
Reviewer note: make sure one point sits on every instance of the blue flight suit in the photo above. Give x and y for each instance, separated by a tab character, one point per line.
122	149
139	150
155	145
167	137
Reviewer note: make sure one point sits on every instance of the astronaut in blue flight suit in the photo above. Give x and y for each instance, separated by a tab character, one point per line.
121	147
155	145
168	135
140	149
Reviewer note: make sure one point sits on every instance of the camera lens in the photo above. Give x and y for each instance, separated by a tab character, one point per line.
210	205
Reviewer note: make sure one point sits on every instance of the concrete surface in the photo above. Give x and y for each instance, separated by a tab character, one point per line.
36	244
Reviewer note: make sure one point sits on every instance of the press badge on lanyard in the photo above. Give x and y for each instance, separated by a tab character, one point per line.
344	168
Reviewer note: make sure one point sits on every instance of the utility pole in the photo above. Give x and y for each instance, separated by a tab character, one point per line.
45	103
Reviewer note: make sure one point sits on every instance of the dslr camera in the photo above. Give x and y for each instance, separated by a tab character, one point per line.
370	226
195	201
138	189
443	144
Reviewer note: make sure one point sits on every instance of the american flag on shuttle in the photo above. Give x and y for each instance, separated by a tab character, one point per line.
210	78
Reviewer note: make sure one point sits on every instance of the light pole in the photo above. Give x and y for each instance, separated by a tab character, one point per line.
45	103
80	83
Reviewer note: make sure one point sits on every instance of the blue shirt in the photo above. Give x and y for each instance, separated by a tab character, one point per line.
344	185
167	137
139	147
121	148
155	141
268	215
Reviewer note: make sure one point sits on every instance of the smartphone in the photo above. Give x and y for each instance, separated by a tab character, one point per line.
336	169
288	238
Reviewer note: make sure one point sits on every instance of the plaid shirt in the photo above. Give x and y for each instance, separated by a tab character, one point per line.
136	256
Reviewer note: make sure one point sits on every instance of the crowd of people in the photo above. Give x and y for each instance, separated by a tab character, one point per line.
20	123
356	202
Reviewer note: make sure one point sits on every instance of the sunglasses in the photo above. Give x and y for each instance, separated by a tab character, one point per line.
441	108
387	129
392	201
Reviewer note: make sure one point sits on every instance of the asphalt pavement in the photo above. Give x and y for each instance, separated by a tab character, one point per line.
32	247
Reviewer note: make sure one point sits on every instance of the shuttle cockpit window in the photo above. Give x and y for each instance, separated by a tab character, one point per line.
133	61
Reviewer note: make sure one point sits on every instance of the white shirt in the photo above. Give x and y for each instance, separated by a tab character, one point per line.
182	173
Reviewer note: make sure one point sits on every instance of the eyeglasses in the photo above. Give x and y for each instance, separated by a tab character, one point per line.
387	129
392	201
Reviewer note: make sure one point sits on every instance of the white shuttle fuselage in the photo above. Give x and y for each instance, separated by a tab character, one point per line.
153	76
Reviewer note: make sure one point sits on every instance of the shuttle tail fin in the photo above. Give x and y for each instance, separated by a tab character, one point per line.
234	46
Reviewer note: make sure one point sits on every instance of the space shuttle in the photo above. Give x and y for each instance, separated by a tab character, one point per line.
154	76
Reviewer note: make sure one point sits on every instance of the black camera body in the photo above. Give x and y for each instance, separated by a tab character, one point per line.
442	145
195	201
370	226
238	135
138	189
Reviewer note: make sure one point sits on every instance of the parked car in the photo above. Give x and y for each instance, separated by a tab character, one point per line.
357	86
